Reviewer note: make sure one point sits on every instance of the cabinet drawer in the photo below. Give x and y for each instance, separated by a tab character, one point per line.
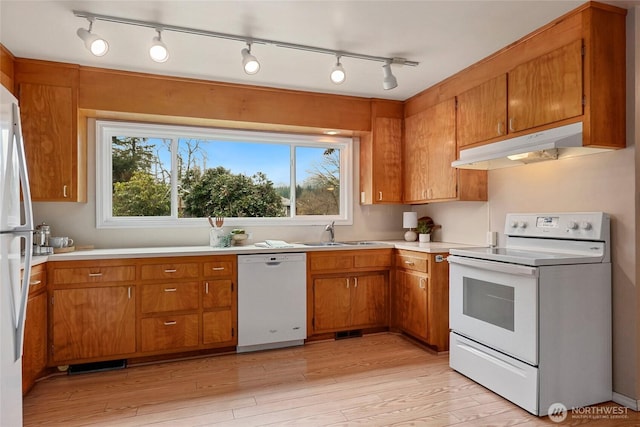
123	273
169	332
38	279
218	269
169	271
169	297
217	294
414	263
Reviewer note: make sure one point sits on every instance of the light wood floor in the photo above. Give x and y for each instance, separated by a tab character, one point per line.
376	380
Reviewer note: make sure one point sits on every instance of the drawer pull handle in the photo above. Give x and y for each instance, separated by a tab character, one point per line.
35	282
170	289
172	270
206	287
170	323
409	262
217	268
95	274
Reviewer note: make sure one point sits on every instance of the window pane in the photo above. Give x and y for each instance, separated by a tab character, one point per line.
141	182
317	181
233	179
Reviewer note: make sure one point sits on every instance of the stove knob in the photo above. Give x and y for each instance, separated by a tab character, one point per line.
522	224
585	225
514	224
572	225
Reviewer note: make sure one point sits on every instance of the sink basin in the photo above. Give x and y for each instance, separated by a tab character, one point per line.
338	243
359	243
324	244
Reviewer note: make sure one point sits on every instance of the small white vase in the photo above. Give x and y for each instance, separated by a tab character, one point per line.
424	238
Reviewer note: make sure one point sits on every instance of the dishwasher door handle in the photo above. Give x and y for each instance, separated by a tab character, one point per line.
273	263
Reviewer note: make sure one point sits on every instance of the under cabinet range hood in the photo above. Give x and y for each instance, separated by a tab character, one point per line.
551	144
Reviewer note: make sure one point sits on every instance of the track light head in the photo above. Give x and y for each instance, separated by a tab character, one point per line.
389	81
249	62
93	42
158	50
338	76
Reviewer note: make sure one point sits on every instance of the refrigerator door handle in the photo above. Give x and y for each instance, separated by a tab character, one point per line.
21	314
24	176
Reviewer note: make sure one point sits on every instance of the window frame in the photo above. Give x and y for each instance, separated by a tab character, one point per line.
105	129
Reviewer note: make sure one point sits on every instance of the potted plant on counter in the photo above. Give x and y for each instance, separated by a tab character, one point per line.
425	227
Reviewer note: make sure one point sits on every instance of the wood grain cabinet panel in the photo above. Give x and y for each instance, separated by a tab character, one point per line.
35	355
421	297
177	332
93	322
348	290
217	327
218	294
175	270
169	297
547	89
94	274
482	112
219	268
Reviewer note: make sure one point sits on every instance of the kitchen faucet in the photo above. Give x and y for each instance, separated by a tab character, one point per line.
331	231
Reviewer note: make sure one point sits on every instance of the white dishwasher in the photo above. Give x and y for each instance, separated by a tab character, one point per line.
272	301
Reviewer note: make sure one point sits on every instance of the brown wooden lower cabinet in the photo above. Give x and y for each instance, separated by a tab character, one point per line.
127	308
177	332
93	323
421	297
34	358
348	290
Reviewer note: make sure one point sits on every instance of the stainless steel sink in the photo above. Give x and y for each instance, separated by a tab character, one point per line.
359	243
338	243
324	244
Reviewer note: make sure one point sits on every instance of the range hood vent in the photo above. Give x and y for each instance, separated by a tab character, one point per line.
552	144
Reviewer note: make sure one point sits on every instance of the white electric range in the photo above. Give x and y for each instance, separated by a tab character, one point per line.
532	320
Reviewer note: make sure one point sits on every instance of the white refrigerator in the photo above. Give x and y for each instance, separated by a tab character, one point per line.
16	233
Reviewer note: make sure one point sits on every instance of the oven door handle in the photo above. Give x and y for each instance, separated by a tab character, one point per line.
501	267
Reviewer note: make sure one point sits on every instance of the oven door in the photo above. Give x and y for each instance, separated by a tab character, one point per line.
496	304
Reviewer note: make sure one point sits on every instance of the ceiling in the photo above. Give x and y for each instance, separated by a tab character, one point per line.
444	36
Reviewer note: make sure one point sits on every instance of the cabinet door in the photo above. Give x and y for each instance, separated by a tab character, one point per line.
369	300
413	307
169	297
93	323
331	303
441	140
415	158
546	89
34	358
169	332
50	144
387	160
217	294
217	327
482	112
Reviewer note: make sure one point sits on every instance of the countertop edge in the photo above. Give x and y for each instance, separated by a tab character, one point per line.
175	251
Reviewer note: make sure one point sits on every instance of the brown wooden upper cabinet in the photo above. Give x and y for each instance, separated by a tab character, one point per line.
546	89
429	149
48	97
381	155
541	91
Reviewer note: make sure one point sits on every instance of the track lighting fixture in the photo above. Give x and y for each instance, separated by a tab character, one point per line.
389	81
338	75
158	50
96	44
249	62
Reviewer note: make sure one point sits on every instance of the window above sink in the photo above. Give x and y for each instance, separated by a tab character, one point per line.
152	175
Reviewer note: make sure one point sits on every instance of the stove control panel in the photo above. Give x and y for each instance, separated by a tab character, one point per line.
565	225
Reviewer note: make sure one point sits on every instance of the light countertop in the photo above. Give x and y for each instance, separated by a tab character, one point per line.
149	252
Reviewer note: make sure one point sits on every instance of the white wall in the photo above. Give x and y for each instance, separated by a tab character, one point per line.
78	220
